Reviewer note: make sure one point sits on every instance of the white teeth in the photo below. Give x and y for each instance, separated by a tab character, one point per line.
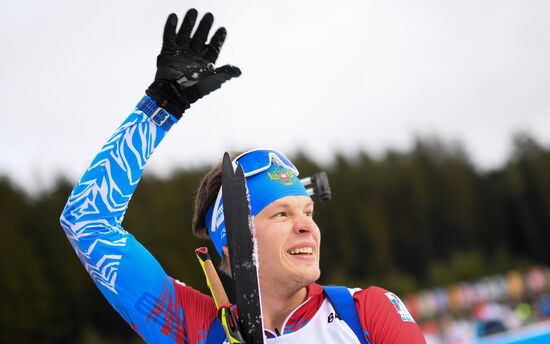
301	250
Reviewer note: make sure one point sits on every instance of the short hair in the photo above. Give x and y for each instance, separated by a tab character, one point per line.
206	196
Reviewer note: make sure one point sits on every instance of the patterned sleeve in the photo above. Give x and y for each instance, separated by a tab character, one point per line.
124	271
385	319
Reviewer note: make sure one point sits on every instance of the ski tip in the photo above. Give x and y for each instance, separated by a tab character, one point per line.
227	166
227	159
239	172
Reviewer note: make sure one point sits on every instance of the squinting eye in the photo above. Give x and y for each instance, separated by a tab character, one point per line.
309	213
282	214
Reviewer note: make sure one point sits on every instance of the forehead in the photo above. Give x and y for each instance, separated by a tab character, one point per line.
291	201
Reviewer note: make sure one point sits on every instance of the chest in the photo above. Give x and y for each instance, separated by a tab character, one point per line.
324	327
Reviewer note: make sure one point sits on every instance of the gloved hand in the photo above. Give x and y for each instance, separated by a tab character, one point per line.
185	66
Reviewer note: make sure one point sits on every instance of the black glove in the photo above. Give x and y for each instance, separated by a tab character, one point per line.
185	66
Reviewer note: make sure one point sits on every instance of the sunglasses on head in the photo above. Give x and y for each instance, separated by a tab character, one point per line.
258	160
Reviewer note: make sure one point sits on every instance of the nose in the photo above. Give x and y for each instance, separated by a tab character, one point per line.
303	224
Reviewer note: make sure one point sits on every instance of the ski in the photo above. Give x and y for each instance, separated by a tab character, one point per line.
242	252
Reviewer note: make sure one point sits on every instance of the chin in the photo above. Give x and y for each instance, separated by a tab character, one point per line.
308	277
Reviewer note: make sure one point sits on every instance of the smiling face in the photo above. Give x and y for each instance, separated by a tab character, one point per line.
288	243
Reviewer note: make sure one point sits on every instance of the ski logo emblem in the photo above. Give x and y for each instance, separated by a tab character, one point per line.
282	175
400	307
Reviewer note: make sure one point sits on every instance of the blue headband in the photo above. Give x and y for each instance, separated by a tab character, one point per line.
269	176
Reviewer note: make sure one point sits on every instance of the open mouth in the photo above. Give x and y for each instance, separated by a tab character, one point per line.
301	251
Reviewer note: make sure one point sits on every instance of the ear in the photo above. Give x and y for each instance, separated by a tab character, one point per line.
224	266
225	251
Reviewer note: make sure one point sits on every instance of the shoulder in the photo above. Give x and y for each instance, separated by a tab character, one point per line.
198	310
190	297
385	317
377	301
373	295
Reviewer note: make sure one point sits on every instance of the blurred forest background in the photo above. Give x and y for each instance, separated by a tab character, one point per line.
403	220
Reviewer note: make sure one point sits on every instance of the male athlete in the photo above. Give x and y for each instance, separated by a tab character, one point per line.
163	310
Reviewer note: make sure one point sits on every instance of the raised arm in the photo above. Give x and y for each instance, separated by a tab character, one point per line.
125	272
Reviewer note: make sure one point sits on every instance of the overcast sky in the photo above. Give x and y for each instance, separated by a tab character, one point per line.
321	76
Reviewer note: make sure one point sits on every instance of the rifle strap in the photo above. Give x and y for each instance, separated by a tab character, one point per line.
344	305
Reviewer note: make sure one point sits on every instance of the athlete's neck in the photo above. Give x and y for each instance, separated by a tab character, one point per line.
278	304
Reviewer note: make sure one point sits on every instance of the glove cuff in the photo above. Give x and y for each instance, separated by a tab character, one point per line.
158	115
168	96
